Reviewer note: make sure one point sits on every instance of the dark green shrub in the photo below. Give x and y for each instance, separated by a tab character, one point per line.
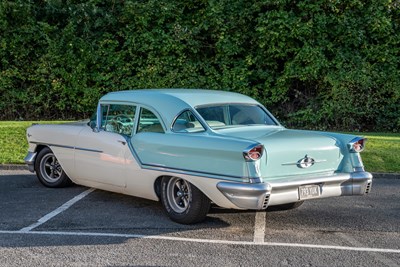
315	64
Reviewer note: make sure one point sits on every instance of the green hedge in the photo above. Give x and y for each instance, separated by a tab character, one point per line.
315	64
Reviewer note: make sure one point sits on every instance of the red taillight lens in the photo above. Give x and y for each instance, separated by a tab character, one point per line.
357	144
253	153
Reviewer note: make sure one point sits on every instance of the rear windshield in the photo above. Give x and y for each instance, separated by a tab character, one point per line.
227	115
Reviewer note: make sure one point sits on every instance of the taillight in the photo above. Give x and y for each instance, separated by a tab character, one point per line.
357	144
253	153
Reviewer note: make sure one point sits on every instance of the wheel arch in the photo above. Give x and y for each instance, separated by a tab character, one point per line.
39	147
183	201
57	177
207	186
157	184
202	184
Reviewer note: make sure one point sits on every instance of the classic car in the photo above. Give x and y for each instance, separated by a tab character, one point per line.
191	148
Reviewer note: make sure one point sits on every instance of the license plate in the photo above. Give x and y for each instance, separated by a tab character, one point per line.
309	191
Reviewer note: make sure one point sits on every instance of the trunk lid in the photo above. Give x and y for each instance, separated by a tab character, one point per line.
291	152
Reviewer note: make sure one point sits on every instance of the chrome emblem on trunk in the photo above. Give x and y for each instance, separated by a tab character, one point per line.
305	162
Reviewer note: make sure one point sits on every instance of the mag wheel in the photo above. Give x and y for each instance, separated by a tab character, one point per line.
49	170
183	202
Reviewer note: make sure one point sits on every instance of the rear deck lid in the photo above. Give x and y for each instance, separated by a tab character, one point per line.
292	152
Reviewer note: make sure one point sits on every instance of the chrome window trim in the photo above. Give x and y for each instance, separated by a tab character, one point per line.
101	115
98	118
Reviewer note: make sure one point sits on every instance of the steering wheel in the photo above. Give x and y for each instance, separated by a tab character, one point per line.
124	117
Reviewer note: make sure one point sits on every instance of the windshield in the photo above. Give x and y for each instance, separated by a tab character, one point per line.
226	115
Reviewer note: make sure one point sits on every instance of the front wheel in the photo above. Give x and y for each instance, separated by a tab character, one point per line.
183	202
49	170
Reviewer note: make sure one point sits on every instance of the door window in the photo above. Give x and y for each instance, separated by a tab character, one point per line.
118	118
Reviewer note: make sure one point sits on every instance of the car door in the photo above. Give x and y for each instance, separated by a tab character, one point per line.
101	156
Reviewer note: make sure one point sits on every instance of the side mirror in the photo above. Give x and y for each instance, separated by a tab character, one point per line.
93	125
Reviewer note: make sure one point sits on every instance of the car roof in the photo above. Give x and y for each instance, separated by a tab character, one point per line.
169	102
192	97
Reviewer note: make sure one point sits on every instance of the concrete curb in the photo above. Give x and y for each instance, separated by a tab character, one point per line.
381	175
377	175
12	167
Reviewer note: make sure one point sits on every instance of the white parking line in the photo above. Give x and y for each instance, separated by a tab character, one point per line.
259	227
223	242
57	211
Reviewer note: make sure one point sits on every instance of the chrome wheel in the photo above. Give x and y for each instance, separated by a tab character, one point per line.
179	194
183	202
49	171
50	168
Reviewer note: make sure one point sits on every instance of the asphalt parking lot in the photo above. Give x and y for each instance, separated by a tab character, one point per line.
79	226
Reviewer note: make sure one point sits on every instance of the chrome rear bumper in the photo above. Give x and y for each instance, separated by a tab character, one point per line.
30	161
246	196
286	190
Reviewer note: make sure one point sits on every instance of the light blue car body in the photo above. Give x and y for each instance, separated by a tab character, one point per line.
290	163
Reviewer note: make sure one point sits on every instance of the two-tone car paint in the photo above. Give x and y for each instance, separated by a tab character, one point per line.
211	159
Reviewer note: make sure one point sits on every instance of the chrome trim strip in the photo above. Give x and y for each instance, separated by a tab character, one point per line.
198	173
297	163
68	147
88	149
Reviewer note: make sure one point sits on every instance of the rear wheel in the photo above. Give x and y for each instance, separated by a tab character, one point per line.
183	202
49	170
288	206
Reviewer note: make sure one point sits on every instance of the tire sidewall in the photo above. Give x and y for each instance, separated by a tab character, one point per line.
197	208
167	206
62	181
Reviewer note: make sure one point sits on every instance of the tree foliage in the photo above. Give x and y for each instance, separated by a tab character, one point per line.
320	64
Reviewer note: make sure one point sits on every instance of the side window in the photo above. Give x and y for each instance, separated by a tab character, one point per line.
148	122
118	118
187	122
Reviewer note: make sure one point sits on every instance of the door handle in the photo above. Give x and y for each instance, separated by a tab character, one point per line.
122	142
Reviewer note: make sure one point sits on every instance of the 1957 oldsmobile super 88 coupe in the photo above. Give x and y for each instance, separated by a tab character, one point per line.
189	148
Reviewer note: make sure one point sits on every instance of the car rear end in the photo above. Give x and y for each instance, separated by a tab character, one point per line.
288	166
